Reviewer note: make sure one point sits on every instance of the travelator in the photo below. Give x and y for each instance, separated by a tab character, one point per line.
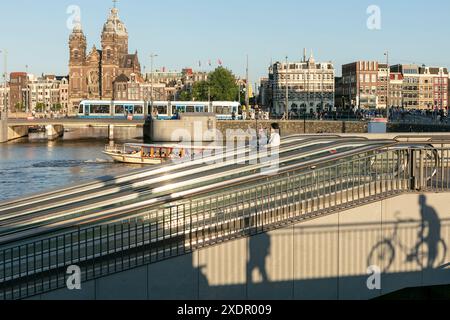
147	216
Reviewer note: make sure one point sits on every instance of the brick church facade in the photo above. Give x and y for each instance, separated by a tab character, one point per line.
93	74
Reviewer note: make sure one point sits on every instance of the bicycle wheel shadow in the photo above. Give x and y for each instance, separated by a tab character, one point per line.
428	253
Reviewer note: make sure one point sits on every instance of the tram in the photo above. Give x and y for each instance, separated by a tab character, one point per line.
163	110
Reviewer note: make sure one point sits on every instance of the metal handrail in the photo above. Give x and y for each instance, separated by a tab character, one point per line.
193	192
259	205
138	173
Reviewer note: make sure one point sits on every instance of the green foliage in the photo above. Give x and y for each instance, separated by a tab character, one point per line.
200	91
40	107
185	95
223	85
220	86
57	107
19	107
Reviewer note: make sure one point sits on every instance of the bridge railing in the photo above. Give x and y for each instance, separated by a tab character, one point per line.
183	226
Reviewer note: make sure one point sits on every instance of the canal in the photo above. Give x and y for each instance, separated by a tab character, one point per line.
27	168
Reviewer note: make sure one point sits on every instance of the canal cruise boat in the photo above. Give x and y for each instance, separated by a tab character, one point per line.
150	154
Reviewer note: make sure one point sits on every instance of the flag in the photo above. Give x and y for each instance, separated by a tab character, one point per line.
199	64
219	62
209	62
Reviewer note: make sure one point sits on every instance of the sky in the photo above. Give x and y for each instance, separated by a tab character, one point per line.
184	32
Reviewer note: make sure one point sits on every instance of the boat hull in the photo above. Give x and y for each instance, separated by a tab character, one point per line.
133	159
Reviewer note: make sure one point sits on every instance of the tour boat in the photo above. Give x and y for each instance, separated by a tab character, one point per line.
152	154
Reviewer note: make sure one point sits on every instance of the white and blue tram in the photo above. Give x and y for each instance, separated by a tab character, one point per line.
224	110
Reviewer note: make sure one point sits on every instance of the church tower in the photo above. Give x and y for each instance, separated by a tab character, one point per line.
114	51
77	47
92	74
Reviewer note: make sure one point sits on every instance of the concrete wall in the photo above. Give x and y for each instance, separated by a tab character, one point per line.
3	130
120	132
417	127
17	132
188	128
298	127
326	258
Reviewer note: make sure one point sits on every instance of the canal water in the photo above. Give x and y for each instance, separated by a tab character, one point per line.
27	168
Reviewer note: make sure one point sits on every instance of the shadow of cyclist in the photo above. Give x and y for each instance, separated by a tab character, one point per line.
430	231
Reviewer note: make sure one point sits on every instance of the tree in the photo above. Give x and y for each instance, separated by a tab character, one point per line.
19	107
40	107
56	107
200	91
185	95
223	85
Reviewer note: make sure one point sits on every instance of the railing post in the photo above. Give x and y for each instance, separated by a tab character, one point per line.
413	169
417	167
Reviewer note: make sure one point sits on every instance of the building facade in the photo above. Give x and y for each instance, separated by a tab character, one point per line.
310	87
18	83
360	84
383	79
48	93
92	75
396	90
4	97
424	87
411	80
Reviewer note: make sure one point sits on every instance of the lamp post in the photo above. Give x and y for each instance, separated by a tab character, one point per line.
5	78
152	56
287	91
387	84
256	130
247	87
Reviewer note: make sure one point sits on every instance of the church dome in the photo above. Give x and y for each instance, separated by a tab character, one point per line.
114	25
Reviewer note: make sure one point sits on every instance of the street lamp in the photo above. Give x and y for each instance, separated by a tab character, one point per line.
387	83
5	77
152	56
287	91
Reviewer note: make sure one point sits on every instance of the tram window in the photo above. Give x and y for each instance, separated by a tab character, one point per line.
180	109
199	108
100	109
162	109
138	109
119	109
81	109
190	109
223	110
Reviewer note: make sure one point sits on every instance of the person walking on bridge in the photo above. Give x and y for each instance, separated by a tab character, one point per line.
275	136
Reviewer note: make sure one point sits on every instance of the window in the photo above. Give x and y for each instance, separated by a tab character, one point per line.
119	109
221	110
138	109
162	109
99	109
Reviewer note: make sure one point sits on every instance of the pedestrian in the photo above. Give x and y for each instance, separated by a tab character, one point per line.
275	135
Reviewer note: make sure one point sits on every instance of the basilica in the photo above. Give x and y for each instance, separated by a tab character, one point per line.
93	74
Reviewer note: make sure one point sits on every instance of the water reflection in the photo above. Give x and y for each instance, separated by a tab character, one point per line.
35	167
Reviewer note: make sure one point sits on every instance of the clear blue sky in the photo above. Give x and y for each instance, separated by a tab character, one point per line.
183	32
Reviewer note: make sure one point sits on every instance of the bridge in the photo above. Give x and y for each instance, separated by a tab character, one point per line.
107	128
320	217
